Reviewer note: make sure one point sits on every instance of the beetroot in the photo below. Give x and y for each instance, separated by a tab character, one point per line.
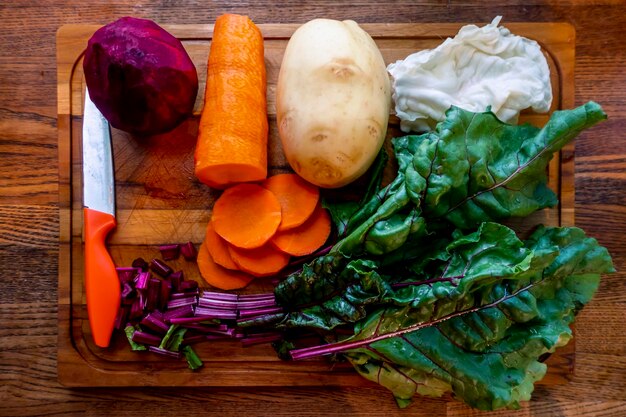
139	76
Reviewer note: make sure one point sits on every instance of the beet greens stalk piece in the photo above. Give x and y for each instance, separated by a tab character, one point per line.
480	334
473	168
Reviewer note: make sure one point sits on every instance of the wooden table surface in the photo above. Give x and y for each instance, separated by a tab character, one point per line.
29	217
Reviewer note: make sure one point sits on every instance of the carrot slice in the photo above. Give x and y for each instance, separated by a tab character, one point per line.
218	277
260	262
297	198
218	248
233	129
306	238
246	215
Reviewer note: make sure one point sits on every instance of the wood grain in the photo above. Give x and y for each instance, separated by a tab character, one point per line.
29	210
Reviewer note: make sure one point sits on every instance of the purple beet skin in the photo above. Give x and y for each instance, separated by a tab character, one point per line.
140	76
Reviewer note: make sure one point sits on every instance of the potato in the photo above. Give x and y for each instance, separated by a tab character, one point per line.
332	102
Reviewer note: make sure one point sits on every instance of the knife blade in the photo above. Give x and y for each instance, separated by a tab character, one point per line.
101	283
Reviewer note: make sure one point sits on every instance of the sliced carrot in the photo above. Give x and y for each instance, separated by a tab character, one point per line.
218	248
297	198
260	262
233	129
246	215
306	238
218	277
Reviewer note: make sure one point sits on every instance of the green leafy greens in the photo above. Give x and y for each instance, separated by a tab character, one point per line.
438	296
472	168
479	328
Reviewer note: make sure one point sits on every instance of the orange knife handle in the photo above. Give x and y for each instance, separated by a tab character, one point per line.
101	282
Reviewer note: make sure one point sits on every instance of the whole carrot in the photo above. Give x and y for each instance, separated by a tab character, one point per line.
232	136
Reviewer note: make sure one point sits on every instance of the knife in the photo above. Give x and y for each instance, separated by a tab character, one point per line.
101	283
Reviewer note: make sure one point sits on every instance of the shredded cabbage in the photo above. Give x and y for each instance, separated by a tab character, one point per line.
480	67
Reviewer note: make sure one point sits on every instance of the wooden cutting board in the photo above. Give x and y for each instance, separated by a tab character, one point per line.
159	201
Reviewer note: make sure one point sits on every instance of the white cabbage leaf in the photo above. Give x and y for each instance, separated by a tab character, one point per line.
480	67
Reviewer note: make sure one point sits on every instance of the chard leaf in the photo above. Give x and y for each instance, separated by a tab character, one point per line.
486	170
452	311
368	228
376	175
485	348
473	168
333	291
343	211
317	281
340	213
330	292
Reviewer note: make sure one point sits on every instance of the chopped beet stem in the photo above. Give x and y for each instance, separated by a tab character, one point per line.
218	304
255	305
130	331
126	274
142	281
165	352
215	313
247	297
257	340
169	252
176	278
218	296
189	251
179	295
187	340
228	332
189	285
166	291
178	312
157	314
154	290
146	338
181	302
204	328
154	323
161	268
216	337
127	291
136	309
191	320
141	264
259	312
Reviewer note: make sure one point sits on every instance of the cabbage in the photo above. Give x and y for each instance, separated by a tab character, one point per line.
478	68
